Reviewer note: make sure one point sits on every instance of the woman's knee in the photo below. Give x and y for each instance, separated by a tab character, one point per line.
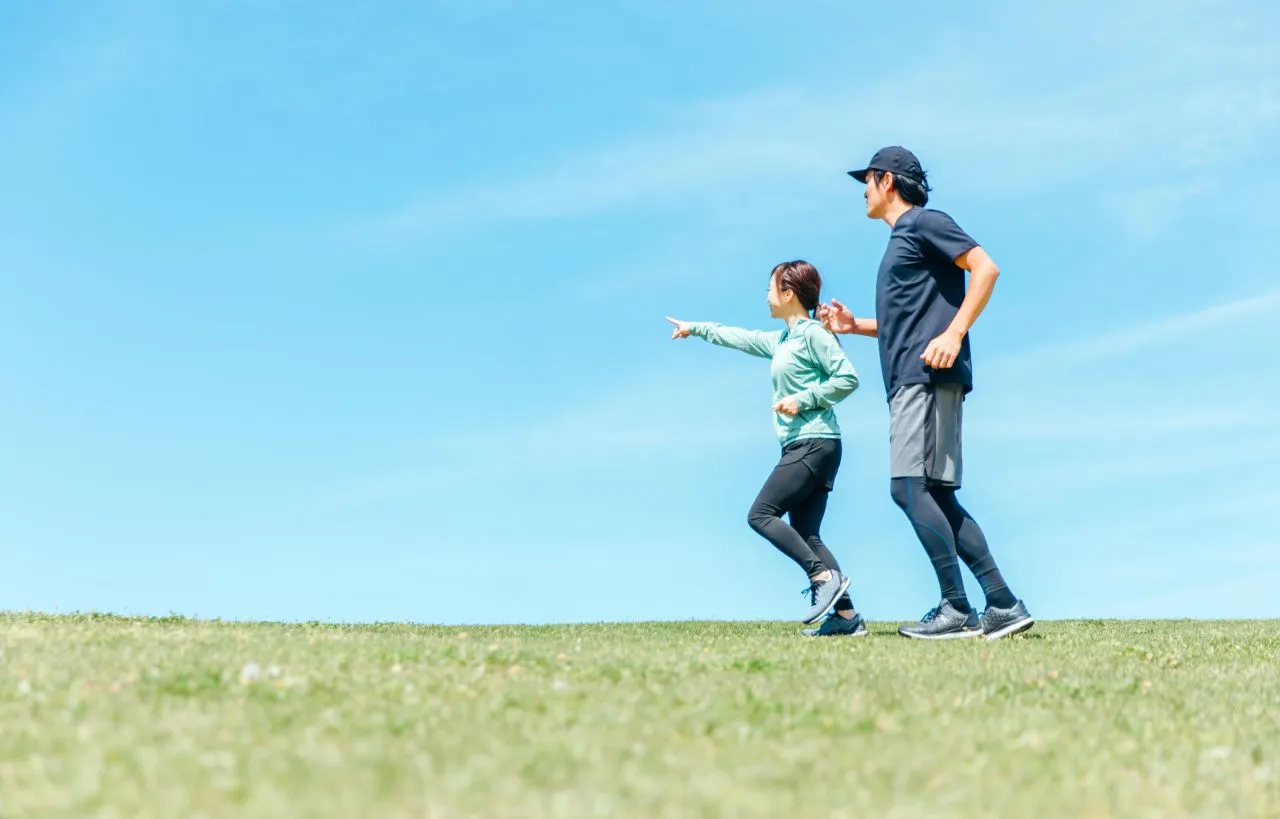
759	516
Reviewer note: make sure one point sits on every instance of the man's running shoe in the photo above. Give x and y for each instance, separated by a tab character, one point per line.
997	623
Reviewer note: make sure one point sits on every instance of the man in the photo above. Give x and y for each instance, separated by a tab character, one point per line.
923	318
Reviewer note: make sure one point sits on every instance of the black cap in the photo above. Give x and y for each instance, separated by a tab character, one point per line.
895	159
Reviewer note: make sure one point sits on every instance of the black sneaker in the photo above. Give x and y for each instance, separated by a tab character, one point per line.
945	622
837	626
997	623
823	594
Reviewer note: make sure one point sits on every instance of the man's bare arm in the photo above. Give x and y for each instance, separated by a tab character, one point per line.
983	273
840	319
943	351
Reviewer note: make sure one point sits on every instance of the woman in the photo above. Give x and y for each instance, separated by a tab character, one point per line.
810	376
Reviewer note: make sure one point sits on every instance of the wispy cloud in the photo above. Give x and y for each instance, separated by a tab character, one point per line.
1093	471
1126	422
703	153
67	80
651	416
1160	524
1139	336
712	152
1149	212
1144	527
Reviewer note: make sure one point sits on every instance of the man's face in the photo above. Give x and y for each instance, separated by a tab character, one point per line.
877	194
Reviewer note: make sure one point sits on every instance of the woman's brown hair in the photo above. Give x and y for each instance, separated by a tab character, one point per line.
800	278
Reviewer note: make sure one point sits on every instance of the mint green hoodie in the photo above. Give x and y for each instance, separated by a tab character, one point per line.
808	365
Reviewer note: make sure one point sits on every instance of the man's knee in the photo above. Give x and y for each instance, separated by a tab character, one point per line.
900	489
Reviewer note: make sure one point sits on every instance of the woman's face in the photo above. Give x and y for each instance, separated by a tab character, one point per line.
778	300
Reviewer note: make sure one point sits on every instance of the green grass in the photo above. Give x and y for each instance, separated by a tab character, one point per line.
103	716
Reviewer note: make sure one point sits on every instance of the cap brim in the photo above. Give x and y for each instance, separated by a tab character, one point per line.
861	175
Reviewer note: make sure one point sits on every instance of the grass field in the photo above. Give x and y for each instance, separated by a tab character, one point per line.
104	716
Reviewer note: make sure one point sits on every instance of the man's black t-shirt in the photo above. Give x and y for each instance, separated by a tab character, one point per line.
918	292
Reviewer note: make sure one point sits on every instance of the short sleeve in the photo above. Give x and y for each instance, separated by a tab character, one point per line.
941	232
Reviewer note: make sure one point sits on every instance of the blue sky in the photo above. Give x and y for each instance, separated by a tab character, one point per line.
355	312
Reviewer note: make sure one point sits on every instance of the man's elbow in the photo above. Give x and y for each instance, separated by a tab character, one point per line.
979	264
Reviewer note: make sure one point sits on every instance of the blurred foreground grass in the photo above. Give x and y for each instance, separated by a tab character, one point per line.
105	716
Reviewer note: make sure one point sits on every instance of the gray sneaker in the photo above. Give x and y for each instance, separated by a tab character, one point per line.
824	594
837	626
945	622
997	623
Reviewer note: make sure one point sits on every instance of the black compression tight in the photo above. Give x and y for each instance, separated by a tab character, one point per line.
950	534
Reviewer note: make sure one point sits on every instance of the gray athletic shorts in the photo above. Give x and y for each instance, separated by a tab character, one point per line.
924	433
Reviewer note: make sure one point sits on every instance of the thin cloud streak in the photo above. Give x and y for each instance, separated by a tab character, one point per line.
1140	336
1126	422
651	417
711	152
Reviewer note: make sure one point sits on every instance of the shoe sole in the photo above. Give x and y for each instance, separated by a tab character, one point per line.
844	587
950	635
1016	627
